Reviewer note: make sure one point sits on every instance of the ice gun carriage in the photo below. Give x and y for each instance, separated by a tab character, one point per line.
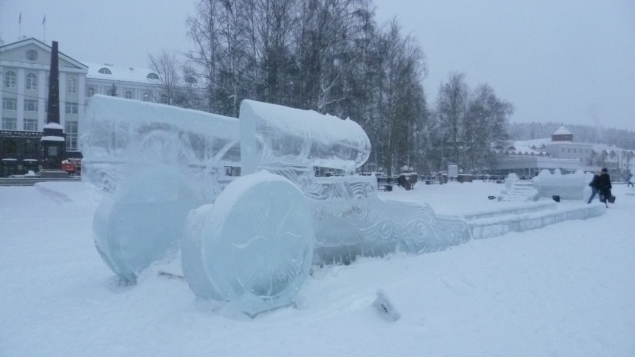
167	178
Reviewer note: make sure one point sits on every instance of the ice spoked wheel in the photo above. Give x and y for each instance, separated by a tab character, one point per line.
257	242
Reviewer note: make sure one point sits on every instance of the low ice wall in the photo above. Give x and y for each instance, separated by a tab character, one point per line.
496	226
511	210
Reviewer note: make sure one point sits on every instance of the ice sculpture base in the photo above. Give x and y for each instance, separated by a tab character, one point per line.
536	216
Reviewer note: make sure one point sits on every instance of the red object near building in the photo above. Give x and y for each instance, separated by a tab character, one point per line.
72	166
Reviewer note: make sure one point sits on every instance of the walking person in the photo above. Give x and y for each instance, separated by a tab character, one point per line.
594	186
629	179
604	187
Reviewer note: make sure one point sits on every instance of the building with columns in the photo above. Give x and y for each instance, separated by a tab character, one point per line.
24	73
527	158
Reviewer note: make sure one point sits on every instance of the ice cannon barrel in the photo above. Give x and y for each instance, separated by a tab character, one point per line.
120	136
273	136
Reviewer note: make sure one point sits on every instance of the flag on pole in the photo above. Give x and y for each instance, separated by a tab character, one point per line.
20	18
44	20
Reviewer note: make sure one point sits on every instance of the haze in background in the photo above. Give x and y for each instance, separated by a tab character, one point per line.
569	61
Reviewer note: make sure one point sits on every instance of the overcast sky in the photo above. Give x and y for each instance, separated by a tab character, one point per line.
570	61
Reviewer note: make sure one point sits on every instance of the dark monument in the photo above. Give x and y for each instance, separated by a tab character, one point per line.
53	139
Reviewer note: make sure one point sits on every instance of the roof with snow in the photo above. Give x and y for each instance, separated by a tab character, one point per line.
537	143
117	73
562	131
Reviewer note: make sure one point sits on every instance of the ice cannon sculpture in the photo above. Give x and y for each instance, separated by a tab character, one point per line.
168	183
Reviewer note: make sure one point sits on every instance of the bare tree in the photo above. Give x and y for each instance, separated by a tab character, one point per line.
452	105
203	30
167	66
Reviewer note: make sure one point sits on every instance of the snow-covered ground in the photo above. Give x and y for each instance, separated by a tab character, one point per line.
564	290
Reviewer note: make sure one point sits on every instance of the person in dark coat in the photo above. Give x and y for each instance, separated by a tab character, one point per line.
594	186
604	186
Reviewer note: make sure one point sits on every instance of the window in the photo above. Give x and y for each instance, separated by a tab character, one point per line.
9	124
152	76
10	147
31	54
146	97
90	92
105	71
164	99
30	124
31	81
71	108
128	95
30	147
52	150
71	83
9	104
9	79
30	105
190	80
71	135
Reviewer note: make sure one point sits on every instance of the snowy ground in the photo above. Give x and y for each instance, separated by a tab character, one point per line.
564	290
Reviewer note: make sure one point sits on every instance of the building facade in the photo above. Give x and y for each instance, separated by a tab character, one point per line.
24	70
528	158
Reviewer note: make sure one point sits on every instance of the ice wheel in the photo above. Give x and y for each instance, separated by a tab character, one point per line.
143	221
257	242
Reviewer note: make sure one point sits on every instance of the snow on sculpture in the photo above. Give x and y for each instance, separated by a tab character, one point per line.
252	239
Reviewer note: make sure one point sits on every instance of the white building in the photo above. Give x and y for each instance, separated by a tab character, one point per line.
527	158
24	67
137	84
24	70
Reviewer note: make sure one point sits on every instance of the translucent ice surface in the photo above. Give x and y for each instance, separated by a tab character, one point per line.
142	221
167	173
534	217
153	163
256	244
277	136
120	137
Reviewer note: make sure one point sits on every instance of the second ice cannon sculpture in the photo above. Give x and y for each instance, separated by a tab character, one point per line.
249	240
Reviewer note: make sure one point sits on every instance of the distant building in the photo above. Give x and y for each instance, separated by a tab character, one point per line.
527	158
24	69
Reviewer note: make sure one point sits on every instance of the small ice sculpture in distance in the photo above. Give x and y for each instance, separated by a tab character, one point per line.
567	187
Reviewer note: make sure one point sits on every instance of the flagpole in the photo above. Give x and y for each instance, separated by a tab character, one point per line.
20	27
44	27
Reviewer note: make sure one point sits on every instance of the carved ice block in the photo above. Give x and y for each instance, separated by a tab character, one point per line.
120	136
274	136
